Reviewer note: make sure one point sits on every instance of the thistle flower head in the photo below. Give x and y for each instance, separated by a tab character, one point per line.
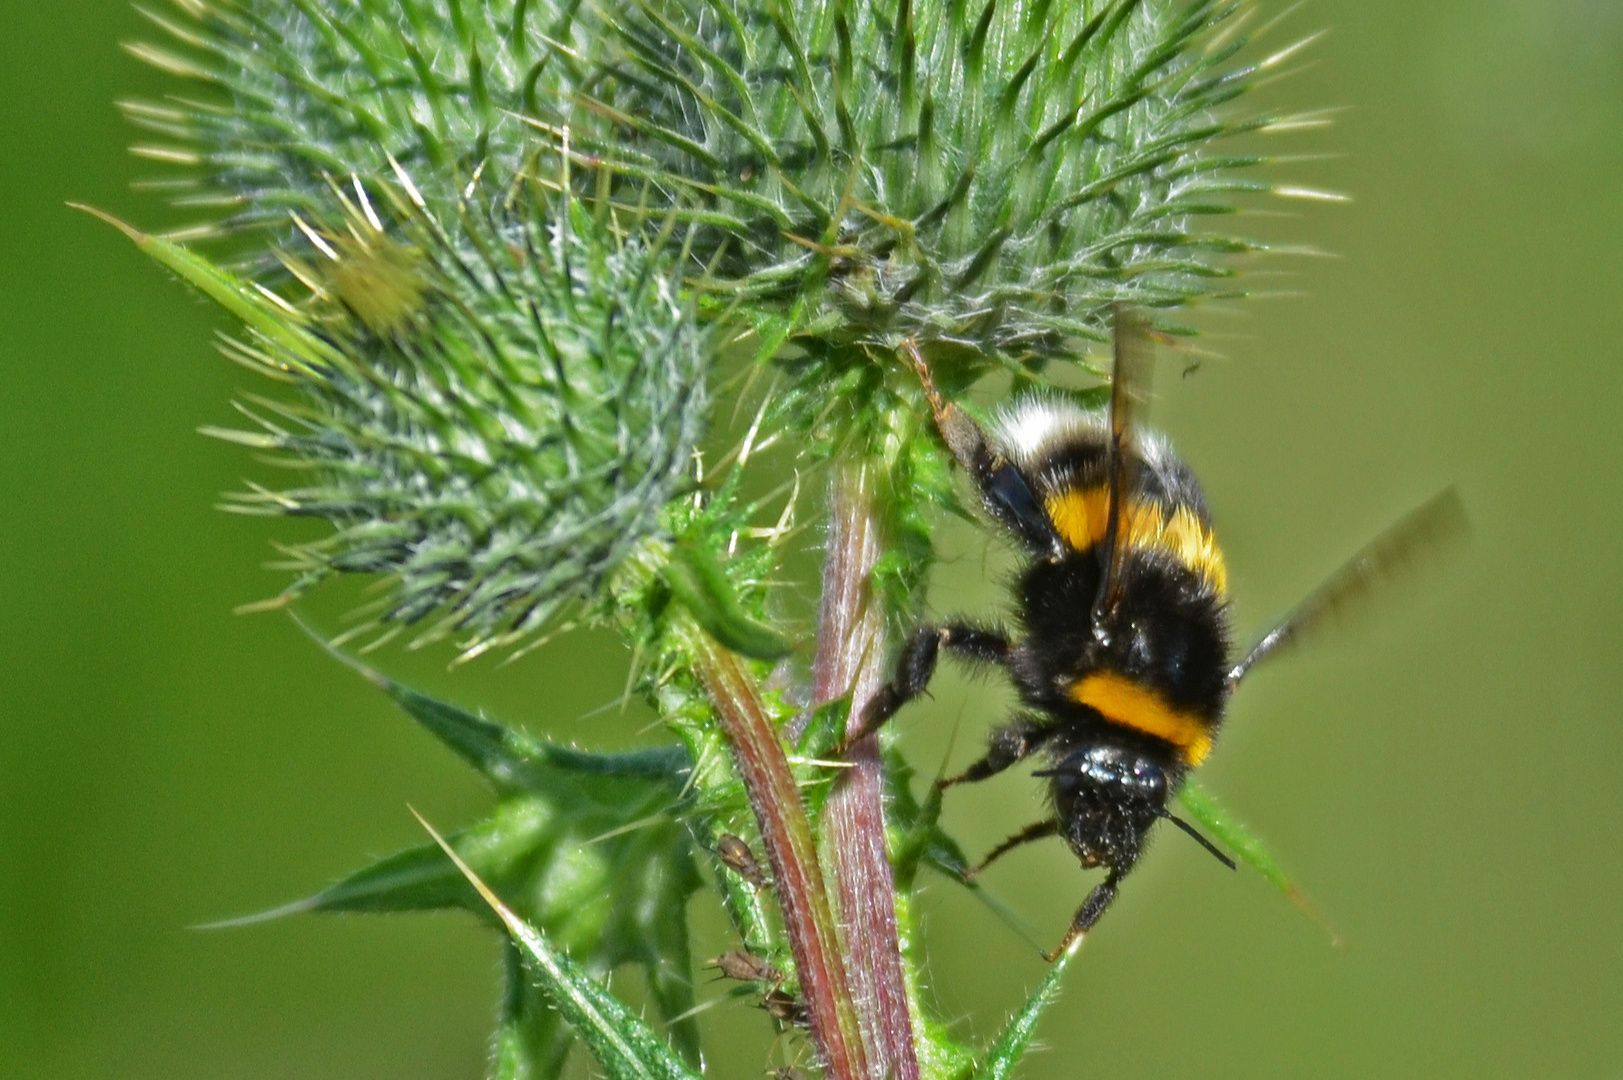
510	386
465	193
514	407
983	172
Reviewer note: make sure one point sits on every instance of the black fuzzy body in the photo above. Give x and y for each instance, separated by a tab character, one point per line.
1169	633
1109	783
1152	653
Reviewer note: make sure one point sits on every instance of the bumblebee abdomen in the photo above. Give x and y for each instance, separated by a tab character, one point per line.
1160	669
1157	664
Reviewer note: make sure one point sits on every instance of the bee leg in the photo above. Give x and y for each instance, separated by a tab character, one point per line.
1088	914
1041	830
914	668
916	665
961	434
1010	743
976	643
1005	492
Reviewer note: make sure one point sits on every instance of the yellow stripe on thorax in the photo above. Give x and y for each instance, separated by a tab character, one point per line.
1082	515
1124	702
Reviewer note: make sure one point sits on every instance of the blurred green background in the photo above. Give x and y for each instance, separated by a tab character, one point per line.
1444	783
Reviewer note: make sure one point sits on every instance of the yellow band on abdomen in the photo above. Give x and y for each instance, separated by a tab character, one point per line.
1124	702
1081	516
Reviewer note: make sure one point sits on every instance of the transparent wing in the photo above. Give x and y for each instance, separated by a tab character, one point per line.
1416	540
1132	368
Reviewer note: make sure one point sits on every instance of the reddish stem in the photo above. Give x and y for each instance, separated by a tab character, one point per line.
850	658
808	919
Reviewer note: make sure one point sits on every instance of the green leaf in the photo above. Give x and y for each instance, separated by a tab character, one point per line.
1204	809
423	879
623	1046
588	847
916	835
1011	1045
512	760
825	728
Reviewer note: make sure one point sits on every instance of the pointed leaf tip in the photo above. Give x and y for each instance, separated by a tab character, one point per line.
1011	1045
296	907
371	675
624	1046
1251	851
122	226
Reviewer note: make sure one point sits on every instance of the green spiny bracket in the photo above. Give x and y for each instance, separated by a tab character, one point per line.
703	588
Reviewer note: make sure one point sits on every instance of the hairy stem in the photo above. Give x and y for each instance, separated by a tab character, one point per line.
850	659
786	834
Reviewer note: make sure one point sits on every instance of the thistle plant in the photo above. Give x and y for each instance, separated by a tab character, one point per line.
502	265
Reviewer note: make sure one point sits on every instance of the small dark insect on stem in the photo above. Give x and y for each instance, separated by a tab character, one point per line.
736	855
744	966
784	1007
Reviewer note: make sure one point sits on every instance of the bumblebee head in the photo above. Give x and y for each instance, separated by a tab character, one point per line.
1106	797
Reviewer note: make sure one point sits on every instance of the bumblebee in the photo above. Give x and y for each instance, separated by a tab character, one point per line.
1125	663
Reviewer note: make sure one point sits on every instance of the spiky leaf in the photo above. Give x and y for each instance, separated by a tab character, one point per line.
592	848
1007	1050
623	1046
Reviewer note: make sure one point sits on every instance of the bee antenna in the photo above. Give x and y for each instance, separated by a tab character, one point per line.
1205	843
